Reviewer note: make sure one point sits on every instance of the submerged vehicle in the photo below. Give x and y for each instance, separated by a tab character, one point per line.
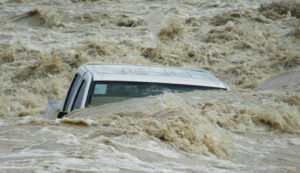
96	84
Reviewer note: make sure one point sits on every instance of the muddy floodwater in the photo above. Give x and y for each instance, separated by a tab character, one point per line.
252	45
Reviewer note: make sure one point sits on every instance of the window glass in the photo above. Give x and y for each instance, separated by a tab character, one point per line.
79	96
71	91
100	89
109	92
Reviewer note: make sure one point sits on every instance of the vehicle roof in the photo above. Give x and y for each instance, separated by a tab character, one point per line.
155	74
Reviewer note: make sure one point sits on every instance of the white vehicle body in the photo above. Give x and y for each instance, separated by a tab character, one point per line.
95	72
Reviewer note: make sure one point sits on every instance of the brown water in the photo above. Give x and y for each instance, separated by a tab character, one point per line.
254	46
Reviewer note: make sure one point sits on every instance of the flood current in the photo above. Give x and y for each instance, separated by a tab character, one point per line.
252	45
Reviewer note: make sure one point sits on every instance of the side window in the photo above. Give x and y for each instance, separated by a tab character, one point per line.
78	98
71	91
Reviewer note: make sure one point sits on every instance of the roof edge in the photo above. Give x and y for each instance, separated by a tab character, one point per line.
185	68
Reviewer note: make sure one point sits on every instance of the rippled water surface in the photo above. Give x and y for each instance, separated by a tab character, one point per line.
253	46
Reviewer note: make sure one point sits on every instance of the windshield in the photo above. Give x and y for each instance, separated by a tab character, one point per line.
109	92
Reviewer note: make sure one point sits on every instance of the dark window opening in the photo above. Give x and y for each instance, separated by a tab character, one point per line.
71	91
79	96
109	92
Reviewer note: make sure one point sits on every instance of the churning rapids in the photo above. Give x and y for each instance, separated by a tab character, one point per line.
252	45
